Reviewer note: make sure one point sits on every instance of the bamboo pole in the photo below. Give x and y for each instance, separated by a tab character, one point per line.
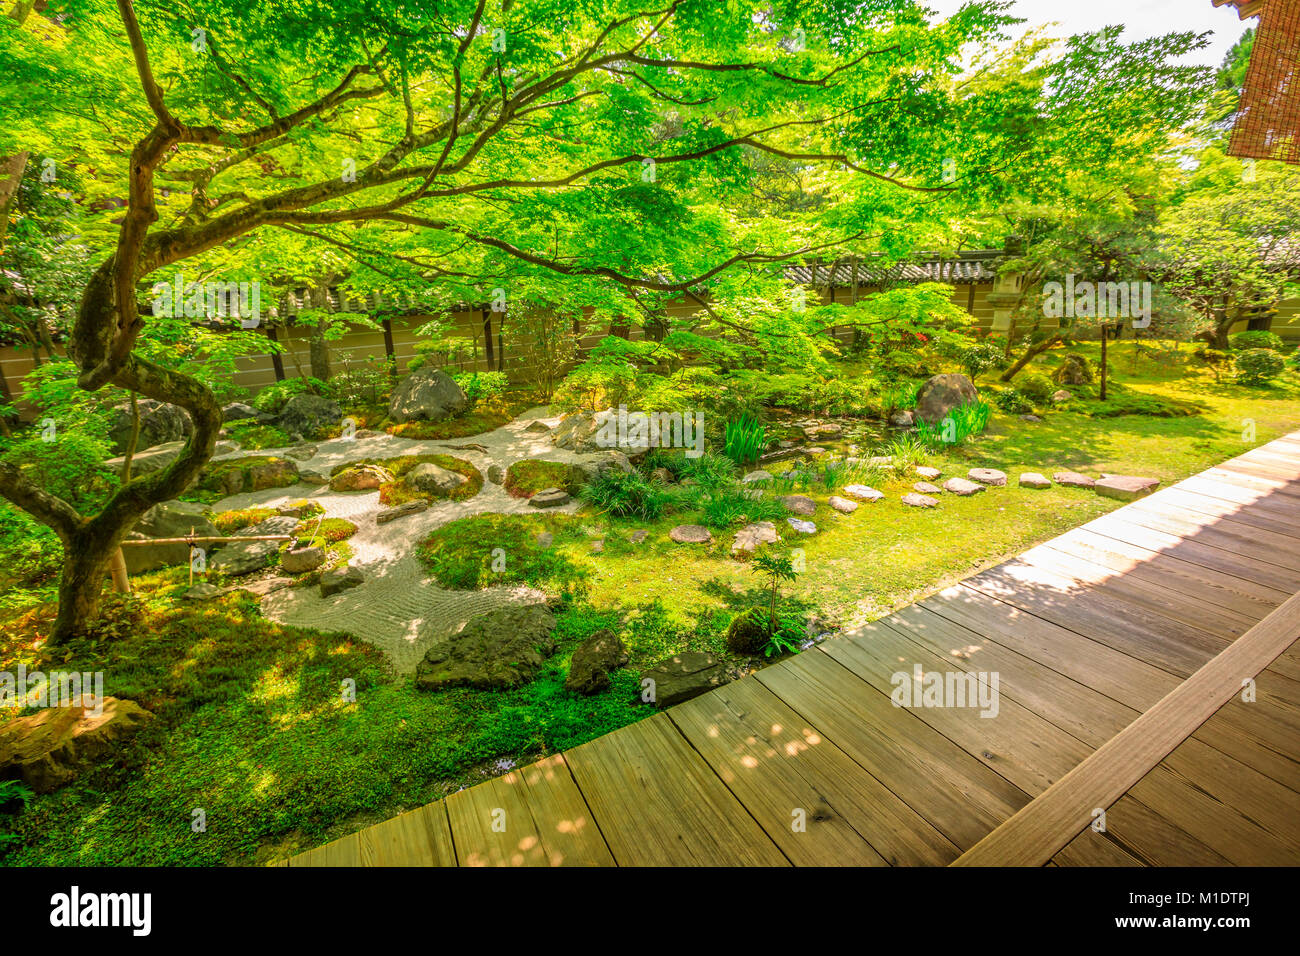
117	568
209	539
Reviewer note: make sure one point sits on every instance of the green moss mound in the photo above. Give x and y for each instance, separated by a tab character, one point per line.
228	522
312	532
525	478
748	632
483	550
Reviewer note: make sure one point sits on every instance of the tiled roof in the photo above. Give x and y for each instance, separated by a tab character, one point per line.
964	268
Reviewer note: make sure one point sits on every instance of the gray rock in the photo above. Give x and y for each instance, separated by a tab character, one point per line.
577	432
593	660
684	676
428	395
988	476
691	534
549	498
498	650
914	500
663	476
927	473
863	493
496	474
799	504
1030	417
537	428
302	560
902	419
636	537
1032	479
401	511
751	536
300	452
238	412
53	746
338	580
843	505
203	591
435	479
803	527
313	477
941	394
545	539
159	423
823	430
1126	487
309	415
759	475
1072	479
170	519
243	557
1061	395
925	488
276	524
962	487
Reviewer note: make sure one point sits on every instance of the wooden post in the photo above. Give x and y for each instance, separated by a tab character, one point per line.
276	361
117	568
1105	334
487	338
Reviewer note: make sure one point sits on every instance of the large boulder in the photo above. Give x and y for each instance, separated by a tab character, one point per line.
941	394
363	477
577	432
592	662
170	519
158	457
243	557
53	746
309	415
428	395
232	476
434	479
498	650
1075	369
159	422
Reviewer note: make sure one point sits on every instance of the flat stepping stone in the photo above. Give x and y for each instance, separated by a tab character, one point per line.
925	488
1032	479
988	476
1030	417
636	537
842	505
1072	479
203	591
549	498
803	527
545	540
751	536
960	486
691	534
928	473
401	511
914	500
863	493
799	504
759	475
1126	487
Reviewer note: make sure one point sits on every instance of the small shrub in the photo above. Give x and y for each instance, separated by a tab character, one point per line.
979	358
1036	387
724	507
1010	400
961	424
627	495
1258	366
1258	339
481	386
253	436
273	398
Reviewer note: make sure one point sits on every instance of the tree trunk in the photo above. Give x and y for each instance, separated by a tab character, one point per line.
1031	353
320	351
86	560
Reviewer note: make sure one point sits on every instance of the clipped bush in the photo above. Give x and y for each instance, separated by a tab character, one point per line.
980	357
1258	366
273	398
525	478
1257	339
481	386
1036	387
1010	400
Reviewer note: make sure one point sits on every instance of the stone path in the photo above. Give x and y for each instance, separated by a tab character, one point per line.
398	609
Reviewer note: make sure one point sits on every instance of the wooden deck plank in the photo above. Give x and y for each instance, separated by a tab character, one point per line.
958	794
778	765
1257	543
416	838
1147	835
345	851
1261	514
492	825
1091	848
659	804
1035	834
1016	743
